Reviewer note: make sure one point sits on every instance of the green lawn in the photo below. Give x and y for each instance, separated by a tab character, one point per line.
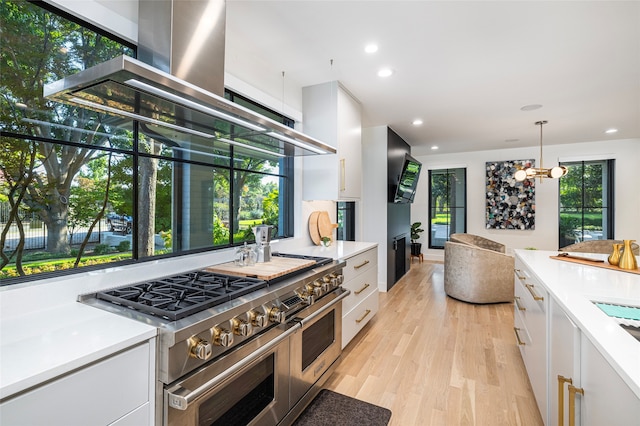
50	265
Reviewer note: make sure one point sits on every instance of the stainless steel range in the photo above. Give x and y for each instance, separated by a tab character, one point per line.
236	350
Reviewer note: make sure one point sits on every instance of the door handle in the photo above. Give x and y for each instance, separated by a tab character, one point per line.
561	381
572	403
533	294
517	331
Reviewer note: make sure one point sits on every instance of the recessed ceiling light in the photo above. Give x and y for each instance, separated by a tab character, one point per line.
434	147
385	72
371	48
417	122
531	107
609	131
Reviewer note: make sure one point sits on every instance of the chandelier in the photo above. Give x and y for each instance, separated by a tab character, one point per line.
540	172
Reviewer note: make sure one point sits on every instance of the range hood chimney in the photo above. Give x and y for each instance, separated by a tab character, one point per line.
184	38
176	87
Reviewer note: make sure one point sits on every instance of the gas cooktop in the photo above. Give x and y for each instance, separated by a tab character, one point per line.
176	297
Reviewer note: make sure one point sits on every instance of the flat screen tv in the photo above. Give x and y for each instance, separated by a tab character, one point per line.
406	189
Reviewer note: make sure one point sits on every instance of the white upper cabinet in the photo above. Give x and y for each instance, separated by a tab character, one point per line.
333	116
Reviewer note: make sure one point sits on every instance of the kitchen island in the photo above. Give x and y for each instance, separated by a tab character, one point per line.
569	344
48	338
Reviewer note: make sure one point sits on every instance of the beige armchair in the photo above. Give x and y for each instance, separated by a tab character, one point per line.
598	246
475	274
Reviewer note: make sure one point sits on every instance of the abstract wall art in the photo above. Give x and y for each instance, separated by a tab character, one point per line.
510	204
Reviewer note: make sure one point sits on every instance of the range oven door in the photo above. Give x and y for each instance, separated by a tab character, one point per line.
318	344
249	386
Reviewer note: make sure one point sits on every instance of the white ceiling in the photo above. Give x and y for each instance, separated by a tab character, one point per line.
465	68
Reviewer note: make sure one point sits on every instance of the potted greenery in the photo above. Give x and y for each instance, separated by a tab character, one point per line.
416	248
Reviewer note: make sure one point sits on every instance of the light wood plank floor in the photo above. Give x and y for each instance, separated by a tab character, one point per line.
433	360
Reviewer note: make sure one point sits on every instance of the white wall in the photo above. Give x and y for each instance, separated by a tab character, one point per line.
545	236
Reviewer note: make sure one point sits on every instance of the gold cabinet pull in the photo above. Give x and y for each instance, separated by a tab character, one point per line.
359	320
533	294
343	185
561	381
366	262
366	285
516	300
517	331
572	403
517	271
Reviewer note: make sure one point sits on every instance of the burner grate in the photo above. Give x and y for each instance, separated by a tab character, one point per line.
179	296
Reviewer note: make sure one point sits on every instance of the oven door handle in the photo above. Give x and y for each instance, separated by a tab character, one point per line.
182	397
325	308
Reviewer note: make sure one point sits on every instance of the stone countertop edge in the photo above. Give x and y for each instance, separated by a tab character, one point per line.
575	287
48	341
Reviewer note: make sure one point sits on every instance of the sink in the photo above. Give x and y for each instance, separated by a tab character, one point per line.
628	317
634	331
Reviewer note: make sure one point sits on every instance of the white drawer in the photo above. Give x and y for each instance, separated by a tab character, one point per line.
523	338
360	263
358	317
532	295
361	287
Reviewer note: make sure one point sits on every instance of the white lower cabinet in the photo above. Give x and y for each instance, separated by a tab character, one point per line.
571	380
530	316
607	400
361	278
118	390
564	364
585	390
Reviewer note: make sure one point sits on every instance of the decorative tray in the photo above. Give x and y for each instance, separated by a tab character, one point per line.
598	263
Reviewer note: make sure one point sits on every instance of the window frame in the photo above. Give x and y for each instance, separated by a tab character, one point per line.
608	199
449	171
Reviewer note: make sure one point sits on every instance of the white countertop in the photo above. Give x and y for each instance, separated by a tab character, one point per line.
46	333
575	287
337	249
43	345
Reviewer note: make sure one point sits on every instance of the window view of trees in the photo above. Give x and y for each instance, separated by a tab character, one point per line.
447	205
586	197
80	188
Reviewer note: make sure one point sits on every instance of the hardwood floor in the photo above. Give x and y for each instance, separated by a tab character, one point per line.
433	360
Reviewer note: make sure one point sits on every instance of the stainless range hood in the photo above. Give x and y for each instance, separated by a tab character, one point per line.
169	105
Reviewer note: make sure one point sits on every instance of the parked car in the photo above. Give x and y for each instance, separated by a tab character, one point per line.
119	223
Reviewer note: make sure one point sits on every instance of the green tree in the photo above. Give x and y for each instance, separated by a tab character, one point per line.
270	208
39	47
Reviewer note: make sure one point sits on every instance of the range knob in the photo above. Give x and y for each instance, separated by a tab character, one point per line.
336	279
258	319
310	291
241	327
222	337
199	348
323	285
276	315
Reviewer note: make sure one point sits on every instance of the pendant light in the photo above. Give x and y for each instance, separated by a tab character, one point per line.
540	172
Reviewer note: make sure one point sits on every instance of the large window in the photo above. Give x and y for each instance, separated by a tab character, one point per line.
84	189
447	204
586	202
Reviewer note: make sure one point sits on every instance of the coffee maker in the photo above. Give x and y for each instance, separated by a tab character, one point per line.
263	238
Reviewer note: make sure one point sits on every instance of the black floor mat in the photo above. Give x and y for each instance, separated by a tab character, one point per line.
330	408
